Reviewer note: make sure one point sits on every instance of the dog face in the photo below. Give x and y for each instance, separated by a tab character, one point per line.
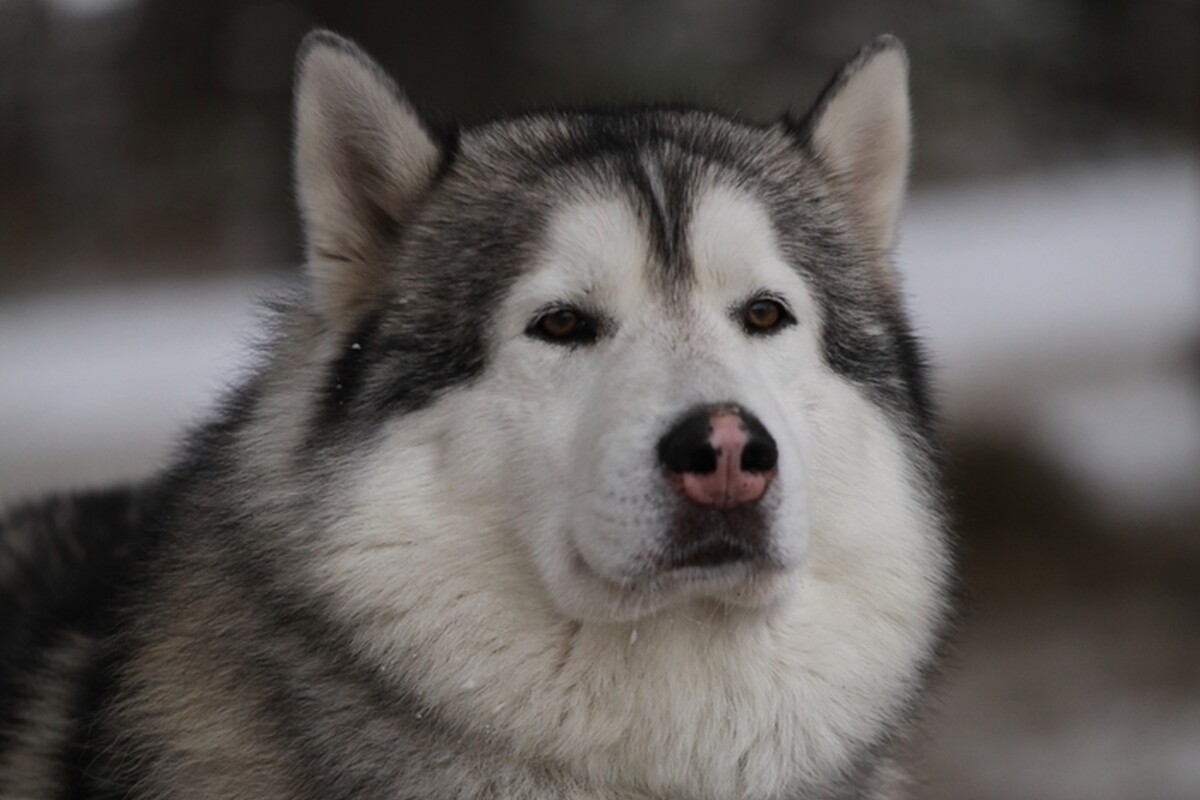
625	333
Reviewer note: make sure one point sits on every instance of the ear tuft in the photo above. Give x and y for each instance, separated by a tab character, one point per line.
860	128
363	160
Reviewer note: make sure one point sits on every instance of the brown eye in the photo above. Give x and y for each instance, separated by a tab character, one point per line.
560	324
564	326
765	315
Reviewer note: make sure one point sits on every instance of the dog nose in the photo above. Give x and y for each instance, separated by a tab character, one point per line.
719	455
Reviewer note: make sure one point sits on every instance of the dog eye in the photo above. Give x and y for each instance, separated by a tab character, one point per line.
564	326
765	315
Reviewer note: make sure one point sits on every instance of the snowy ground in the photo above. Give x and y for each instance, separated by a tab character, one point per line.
1063	310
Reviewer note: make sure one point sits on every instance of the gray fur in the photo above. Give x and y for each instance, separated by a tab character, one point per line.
219	666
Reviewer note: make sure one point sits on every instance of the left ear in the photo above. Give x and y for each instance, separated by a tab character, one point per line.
364	161
860	128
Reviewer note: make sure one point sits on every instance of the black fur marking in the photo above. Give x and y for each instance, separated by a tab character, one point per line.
87	761
646	176
402	362
913	371
662	183
346	375
448	135
429	367
63	560
86	559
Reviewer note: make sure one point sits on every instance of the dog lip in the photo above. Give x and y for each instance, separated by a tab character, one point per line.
711	552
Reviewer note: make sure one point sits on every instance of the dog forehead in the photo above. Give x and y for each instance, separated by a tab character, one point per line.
732	241
604	242
634	206
597	242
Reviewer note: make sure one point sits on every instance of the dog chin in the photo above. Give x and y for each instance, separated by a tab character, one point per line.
745	585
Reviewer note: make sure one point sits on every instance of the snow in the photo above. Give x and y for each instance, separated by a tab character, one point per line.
98	386
1065	308
1049	267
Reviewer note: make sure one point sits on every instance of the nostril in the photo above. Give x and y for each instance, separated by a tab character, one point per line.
759	455
685	448
701	459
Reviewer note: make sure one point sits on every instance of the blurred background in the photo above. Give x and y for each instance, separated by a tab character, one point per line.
1051	250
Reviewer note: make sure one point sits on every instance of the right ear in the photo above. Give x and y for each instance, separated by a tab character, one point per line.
860	127
364	158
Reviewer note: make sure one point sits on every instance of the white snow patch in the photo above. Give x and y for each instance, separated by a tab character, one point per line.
98	386
1065	307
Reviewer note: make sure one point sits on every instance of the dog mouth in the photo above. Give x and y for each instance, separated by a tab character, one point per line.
736	569
708	539
736	562
736	555
710	552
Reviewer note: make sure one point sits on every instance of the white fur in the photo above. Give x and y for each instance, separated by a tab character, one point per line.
489	550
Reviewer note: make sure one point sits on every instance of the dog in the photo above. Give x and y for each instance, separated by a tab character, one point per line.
595	459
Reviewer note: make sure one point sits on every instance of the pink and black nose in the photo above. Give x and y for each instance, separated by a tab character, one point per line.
719	456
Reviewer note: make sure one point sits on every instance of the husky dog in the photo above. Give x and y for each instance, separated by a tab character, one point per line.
596	461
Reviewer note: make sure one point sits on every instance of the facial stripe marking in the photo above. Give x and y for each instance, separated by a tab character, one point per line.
660	187
348	373
658	200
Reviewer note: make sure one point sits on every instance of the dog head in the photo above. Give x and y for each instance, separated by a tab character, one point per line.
628	339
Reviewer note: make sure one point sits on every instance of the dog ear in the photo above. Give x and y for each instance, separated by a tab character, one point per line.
363	159
860	127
